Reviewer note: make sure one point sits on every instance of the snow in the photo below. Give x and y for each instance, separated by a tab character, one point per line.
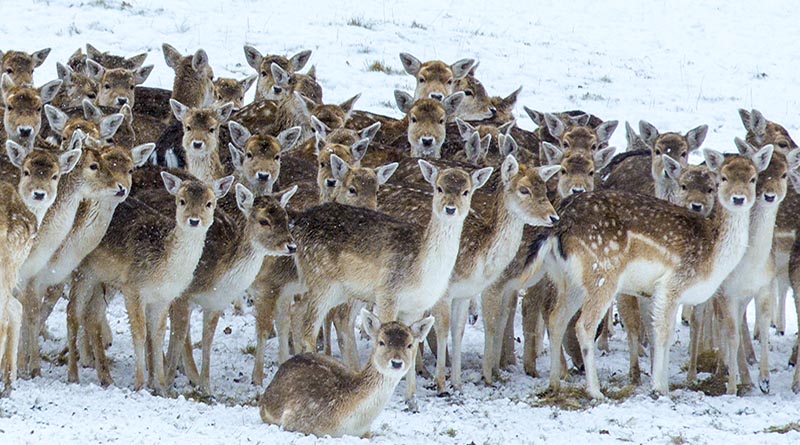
676	64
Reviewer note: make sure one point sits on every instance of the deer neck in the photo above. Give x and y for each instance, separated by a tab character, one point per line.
373	390
206	168
732	233
440	246
184	247
762	229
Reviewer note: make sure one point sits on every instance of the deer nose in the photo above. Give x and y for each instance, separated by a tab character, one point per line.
330	182
277	90
292	248
427	142
122	101
697	207
194	222
436	96
121	191
197	144
396	364
769	197
39	196
263	176
554	219
25	132
450	210
576	190
737	200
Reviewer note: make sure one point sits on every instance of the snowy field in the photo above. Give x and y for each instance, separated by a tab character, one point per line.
676	64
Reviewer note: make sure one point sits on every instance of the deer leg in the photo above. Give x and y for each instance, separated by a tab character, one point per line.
51	297
492	308
665	307
265	305
568	302
95	309
764	300
460	312
507	356
441	313
531	321
136	316
179	313
628	307
14	325
210	321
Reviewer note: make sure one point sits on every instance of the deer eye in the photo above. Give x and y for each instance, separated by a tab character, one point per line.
39	109
439	189
410	345
183	202
566	144
465	193
468	92
322	165
381	343
352	190
263	74
683	155
414	120
421	80
450	81
188	128
26	173
710	190
591	173
130	172
9	70
752	180
54	178
525	190
208	205
9	108
211	130
783	145
263	222
724	179
249	155
441	121
277	157
107	86
658	152
563	171
91	95
783	176
683	187
94	166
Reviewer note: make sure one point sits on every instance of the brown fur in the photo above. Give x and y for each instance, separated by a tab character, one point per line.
22	114
232	90
77	86
20	65
435	79
201	138
263	63
193	85
116	86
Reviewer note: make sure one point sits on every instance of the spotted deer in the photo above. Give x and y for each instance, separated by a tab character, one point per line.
315	394
435	79
640	245
168	251
76	87
232	90
266	87
336	232
22	114
193	85
423	126
201	138
116	86
19	65
21	213
258	156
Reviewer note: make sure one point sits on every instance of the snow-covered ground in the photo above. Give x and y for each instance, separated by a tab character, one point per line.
677	64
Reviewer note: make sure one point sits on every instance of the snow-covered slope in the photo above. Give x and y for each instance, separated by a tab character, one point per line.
677	64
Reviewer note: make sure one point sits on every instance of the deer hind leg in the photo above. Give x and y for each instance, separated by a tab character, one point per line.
507	356
156	323
14	325
210	321
779	308
179	313
75	309
696	334
665	308
265	305
531	322
319	301
492	307
606	330
344	319
442	312
94	312
764	300
628	307
568	302
592	314
51	297
460	312
31	303
136	317
189	365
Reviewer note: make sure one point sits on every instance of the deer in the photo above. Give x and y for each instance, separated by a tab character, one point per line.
201	138
478	105
77	61
22	114
431	254
435	79
193	85
286	84
641	246
266	87
76	87
116	85
480	155
258	156
169	250
232	90
21	213
93	124
19	65
315	394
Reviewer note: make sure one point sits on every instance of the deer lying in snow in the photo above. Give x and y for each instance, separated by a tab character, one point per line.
641	246
315	394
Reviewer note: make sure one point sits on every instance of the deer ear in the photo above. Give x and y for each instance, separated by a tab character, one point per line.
93	52
580	120
224	111
371	323
56	118
286	195
481	177
299	60
536	116
464	129
548	172
6	84
410	63
511	100
509	169
279	74
793	158
110	124
763	157
76	141
178	109
672	167
696	136
743	147
319	127
237	156
648	132
141	74
171	55
239	133
49	90
604	130
137	60
429	171
473	147
339	167
64	72
631	136
359	150
452	102
385	172
421	328
554	125
222	186
141	153
200	60
90	111
16	153
371	131
348	105
247	82
461	68
312	72
171	182
94	69
758	125
714	159
553	154
404	101
289	137
39	57
244	199
603	157
68	160
253	56
509	145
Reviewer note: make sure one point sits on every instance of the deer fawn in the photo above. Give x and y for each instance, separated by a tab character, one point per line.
22	115
20	65
640	245
435	79
201	138
76	87
232	90
116	85
266	87
258	157
424	124
193	85
168	251
21	213
93	124
315	394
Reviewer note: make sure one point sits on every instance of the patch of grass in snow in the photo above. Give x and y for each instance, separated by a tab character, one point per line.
249	350
678	440
361	23
783	429
379	66
416	25
386	104
605	79
451	432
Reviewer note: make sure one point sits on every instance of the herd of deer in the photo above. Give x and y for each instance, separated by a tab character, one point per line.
337	212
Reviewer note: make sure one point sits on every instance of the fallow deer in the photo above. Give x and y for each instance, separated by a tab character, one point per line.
266	87
435	79
168	251
19	65
93	124
640	246
116	86
285	84
232	90
315	394
193	85
76	87
423	126
22	114
111	61
258	156
201	138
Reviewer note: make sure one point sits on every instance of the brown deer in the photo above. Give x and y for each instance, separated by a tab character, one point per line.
22	114
266	87
76	87
435	79
116	86
93	123
478	105
194	78
286	84
423	126
21	213
201	138
580	135
19	65
258	156
640	245
337	231
111	61
315	394
232	90
168	251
